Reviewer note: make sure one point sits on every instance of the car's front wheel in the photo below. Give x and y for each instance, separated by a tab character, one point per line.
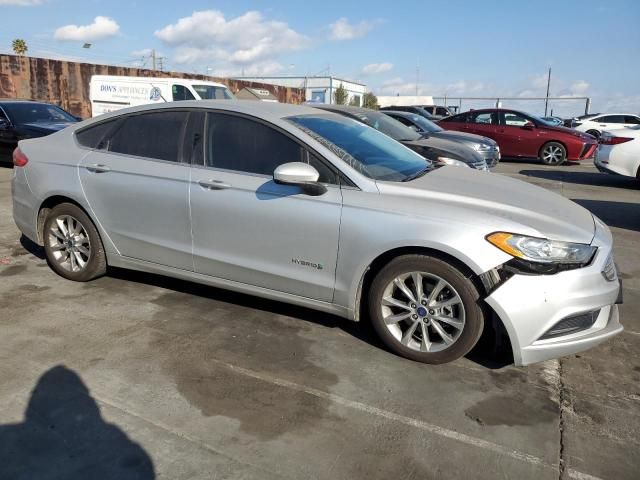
553	153
72	244
425	309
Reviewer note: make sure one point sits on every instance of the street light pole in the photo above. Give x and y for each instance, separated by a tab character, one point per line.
546	100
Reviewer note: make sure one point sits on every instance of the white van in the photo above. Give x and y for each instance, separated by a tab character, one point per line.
109	93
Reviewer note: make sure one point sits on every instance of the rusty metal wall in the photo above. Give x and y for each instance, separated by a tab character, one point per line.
67	83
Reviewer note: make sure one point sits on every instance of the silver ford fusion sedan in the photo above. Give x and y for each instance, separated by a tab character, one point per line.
316	209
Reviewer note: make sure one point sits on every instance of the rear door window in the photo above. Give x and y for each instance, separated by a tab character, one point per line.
482	118
612	119
630	119
156	135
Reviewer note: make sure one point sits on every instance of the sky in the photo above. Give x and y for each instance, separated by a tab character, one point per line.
454	47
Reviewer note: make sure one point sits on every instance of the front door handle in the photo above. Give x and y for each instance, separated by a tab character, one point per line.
98	168
214	184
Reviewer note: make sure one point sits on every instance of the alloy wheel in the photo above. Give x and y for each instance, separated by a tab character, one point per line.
423	312
552	155
69	243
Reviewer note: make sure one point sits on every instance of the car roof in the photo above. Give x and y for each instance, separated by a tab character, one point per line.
266	110
402	114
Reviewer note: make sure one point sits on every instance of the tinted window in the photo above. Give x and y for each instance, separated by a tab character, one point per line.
611	119
631	120
244	145
370	152
94	137
442	111
180	92
386	125
461	118
402	120
155	135
485	118
20	113
192	150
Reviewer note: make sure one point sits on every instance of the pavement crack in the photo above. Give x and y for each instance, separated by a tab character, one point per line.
561	424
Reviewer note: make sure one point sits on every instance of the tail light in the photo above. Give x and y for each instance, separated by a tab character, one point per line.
614	140
19	158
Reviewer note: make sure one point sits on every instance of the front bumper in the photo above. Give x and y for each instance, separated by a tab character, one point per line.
530	305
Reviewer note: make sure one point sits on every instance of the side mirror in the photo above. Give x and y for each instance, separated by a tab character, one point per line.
300	174
529	126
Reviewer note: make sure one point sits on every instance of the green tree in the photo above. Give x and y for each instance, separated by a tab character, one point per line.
369	100
341	96
19	46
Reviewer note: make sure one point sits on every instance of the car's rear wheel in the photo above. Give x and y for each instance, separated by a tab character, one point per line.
425	309
553	153
72	244
594	133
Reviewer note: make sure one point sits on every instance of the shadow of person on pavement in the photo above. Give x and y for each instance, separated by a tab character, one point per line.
63	436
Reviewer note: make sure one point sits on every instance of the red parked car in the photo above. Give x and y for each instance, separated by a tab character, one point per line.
522	135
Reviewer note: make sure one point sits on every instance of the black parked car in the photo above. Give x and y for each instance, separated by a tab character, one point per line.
22	119
414	109
440	151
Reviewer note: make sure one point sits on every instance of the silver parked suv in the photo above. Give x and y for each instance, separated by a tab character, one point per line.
317	209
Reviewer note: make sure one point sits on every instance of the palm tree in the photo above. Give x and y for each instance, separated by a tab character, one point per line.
19	46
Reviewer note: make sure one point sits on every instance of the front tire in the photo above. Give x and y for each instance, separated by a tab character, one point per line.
425	309
72	244
553	153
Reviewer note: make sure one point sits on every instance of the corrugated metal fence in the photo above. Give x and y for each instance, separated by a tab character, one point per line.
67	83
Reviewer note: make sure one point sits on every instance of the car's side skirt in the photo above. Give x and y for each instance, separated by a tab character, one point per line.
141	265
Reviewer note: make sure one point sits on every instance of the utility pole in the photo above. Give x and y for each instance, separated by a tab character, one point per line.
546	100
417	74
153	59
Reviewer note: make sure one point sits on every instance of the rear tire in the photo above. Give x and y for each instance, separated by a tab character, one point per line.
424	309
72	244
553	153
593	133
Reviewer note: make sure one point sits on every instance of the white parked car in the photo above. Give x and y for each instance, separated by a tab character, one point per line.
619	152
602	122
109	93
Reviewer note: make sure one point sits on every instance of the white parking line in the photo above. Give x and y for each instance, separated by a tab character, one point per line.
413	422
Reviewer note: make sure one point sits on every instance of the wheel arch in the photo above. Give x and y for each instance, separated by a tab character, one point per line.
51	202
495	334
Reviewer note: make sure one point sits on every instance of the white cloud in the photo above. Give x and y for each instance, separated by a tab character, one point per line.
21	3
374	68
101	28
341	29
247	41
579	88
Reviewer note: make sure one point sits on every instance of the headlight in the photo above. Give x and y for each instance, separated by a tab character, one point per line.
481	147
541	250
451	161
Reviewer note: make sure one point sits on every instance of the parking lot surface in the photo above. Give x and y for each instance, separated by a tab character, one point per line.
140	376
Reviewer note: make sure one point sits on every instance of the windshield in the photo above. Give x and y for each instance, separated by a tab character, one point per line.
388	126
370	152
425	125
20	113
210	92
548	123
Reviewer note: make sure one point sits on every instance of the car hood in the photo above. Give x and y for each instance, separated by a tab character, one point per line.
445	145
463	137
497	202
39	129
570	131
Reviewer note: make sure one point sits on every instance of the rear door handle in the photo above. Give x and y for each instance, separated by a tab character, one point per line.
214	184
98	168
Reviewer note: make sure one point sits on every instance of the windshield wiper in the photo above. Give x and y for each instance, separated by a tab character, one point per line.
418	174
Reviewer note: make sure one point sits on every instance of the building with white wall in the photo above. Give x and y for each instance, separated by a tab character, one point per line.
318	89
